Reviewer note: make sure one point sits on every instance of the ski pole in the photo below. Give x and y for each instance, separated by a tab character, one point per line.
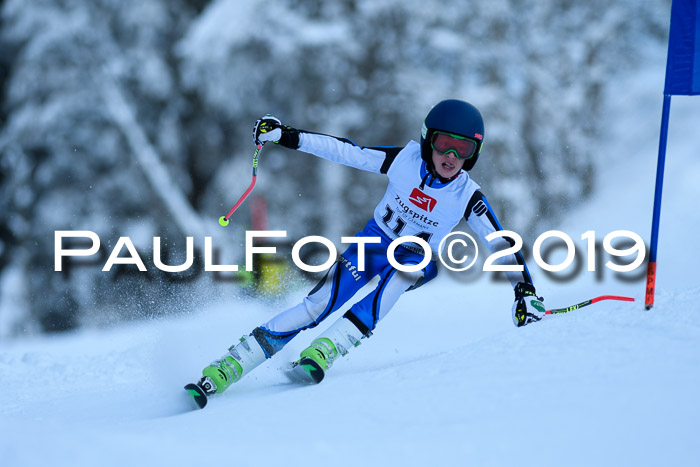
588	302
223	220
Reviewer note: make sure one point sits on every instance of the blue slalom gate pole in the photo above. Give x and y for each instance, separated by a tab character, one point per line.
651	268
682	79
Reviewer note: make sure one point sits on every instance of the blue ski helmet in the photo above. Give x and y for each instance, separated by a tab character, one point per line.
453	116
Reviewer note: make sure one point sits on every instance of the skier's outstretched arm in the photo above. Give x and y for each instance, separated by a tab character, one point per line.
332	148
527	307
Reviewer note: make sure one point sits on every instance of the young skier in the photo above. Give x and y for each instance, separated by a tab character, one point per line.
429	191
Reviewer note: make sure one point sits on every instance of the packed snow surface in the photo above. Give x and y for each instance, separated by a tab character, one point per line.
445	380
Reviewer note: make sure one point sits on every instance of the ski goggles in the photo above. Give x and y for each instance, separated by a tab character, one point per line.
461	146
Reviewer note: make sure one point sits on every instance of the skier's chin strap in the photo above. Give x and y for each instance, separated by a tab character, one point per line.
432	173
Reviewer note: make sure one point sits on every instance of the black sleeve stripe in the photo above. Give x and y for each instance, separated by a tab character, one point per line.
391	153
518	254
476	199
479	206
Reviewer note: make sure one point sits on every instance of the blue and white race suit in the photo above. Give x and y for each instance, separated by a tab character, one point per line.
416	204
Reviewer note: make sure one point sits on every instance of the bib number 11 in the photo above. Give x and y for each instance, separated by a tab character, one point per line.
400	225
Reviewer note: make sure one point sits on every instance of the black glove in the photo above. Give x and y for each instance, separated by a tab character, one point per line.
269	128
528	307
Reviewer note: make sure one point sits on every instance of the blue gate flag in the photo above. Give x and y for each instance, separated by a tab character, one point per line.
683	64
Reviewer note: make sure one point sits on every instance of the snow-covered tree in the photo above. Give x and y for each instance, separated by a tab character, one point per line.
133	118
371	71
91	95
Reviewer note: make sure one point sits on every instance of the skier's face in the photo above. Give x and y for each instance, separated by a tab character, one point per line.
447	165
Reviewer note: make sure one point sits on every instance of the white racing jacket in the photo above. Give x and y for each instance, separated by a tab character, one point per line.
416	203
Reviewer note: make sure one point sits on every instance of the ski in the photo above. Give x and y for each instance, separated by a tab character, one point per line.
586	303
199	396
305	371
201	391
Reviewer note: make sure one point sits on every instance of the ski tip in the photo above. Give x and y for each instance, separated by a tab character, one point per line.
306	371
313	369
198	395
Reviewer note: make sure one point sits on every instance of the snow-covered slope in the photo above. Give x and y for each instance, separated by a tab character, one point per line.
446	379
608	386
